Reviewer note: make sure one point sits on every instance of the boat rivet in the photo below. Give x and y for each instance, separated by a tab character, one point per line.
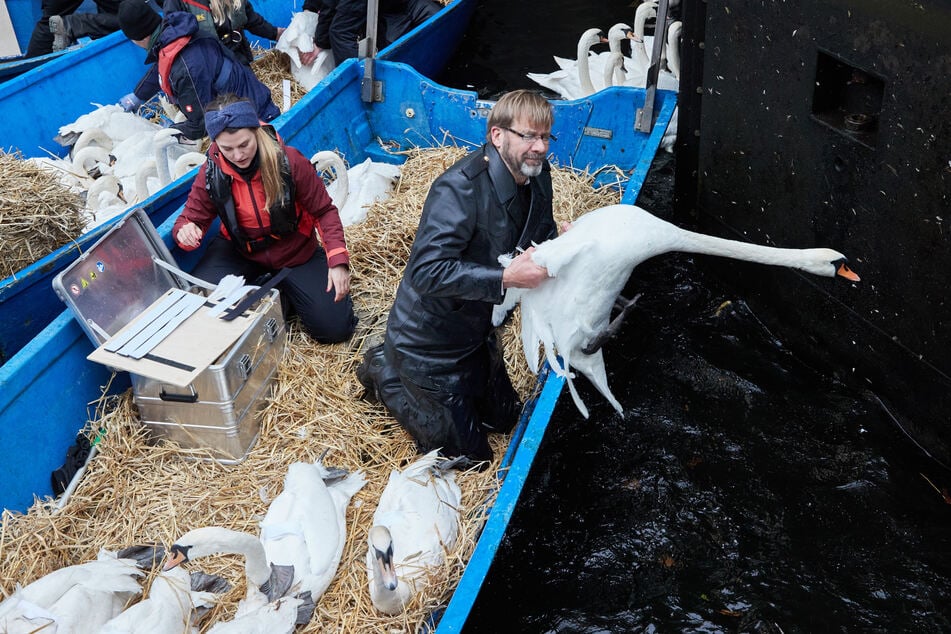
410	113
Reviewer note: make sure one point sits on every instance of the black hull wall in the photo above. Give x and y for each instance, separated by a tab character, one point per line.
828	123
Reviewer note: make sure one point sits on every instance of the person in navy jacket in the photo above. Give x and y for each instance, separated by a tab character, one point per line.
193	67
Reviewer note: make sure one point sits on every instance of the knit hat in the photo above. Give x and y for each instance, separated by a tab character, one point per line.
137	19
240	114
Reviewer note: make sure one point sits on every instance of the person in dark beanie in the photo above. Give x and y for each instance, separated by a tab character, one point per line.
193	67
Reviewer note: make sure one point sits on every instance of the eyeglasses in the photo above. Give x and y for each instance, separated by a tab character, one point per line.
531	138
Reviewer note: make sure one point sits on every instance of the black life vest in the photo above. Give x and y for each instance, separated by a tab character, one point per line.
284	218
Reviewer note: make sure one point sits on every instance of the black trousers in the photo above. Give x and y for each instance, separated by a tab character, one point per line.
456	424
92	25
396	17
303	291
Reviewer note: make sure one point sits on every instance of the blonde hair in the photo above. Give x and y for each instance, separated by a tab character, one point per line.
517	104
219	9
269	157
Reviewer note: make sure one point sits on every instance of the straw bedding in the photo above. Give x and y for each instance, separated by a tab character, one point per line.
37	214
135	492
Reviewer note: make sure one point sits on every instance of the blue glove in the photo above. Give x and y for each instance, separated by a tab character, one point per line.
130	102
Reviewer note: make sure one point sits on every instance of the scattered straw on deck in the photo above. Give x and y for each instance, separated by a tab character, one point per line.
272	67
37	214
134	492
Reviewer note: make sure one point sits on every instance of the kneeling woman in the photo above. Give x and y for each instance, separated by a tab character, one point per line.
270	200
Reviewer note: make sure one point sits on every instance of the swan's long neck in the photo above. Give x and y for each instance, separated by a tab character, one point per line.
146	169
673	48
584	70
711	245
215	540
388	592
161	143
644	11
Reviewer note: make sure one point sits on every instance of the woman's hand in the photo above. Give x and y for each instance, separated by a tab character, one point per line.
338	278
189	236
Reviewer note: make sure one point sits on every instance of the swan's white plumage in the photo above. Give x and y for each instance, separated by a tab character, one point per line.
354	190
187	162
305	526
298	38
104	200
169	608
77	599
419	509
117	124
276	617
575	82
589	265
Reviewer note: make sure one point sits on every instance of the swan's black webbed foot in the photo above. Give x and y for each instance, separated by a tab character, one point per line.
624	305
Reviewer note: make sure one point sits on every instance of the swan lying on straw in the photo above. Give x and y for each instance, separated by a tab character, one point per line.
415	524
74	599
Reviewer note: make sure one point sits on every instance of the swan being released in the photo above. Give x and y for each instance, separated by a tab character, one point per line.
589	265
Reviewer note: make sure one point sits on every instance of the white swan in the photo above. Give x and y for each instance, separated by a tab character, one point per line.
306	525
637	66
673	48
591	262
612	62
187	162
147	180
117	124
171	608
354	190
278	617
105	196
92	137
268	584
100	159
298	38
640	58
264	581
415	524
75	599
573	83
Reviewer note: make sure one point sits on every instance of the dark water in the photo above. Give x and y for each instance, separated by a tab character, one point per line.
742	491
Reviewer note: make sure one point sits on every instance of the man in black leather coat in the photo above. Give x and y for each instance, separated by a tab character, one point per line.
440	371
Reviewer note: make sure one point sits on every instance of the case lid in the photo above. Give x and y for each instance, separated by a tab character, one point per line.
117	278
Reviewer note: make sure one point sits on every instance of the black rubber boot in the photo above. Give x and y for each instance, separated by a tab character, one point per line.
368	372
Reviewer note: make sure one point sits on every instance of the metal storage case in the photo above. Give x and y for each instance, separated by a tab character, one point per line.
116	280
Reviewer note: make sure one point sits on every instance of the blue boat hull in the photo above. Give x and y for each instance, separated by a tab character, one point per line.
46	388
27	301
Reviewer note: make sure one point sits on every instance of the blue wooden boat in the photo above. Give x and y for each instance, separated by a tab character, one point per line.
23	15
46	387
33	119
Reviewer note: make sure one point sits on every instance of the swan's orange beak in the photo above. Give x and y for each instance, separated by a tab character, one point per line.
846	272
175	558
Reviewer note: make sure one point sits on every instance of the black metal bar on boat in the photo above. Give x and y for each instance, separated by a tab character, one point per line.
644	122
368	52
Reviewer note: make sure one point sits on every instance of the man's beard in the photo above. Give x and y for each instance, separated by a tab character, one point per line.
531	170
